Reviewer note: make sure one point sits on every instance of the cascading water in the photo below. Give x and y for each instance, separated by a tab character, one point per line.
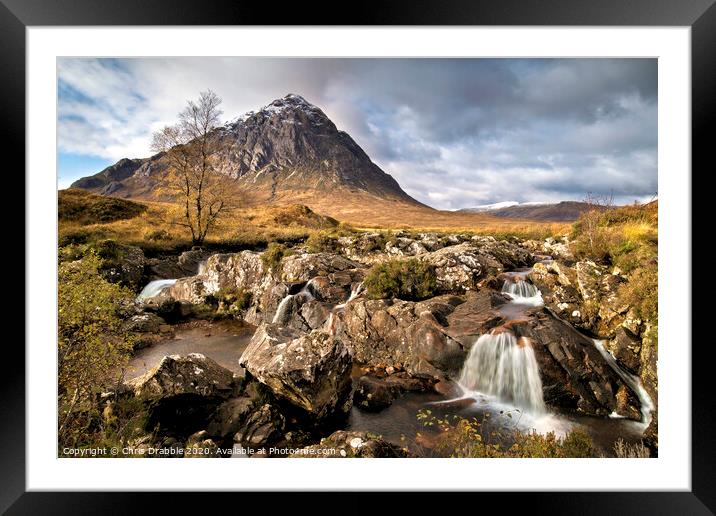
282	311
330	324
355	292
201	269
632	381
501	366
154	288
520	288
522	291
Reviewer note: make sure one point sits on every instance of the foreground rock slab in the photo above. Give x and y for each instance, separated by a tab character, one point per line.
312	371
182	391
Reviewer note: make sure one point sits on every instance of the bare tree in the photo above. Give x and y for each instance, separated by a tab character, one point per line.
189	147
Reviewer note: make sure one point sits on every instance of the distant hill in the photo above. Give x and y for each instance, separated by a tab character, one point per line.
565	211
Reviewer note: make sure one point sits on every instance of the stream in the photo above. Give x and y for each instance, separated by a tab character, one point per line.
501	387
499	382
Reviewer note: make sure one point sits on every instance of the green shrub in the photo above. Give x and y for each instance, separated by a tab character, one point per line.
76	236
641	292
405	279
92	347
71	252
463	438
274	255
238	298
322	243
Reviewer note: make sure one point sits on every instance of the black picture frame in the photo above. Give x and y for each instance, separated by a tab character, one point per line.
699	15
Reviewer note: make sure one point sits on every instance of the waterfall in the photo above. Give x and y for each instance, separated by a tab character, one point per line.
499	365
519	288
631	380
154	288
282	311
522	291
355	292
201	269
330	324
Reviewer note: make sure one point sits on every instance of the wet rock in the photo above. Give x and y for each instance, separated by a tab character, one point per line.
343	444
311	371
392	331
475	316
574	374
264	426
626	349
230	416
373	393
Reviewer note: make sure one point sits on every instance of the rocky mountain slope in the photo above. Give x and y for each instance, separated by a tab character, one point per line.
287	151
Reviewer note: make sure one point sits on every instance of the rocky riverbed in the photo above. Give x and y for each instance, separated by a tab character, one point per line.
294	355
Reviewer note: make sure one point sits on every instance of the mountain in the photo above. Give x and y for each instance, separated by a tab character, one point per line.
565	211
287	152
494	206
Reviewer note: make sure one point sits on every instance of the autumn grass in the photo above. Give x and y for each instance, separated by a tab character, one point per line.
82	207
626	238
154	228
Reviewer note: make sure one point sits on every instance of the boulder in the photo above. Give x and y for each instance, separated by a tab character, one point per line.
303	267
182	391
178	375
510	253
246	271
311	371
146	322
557	248
459	267
391	331
224	271
186	264
584	295
344	444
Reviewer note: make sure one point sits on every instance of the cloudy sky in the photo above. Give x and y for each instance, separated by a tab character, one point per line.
455	133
